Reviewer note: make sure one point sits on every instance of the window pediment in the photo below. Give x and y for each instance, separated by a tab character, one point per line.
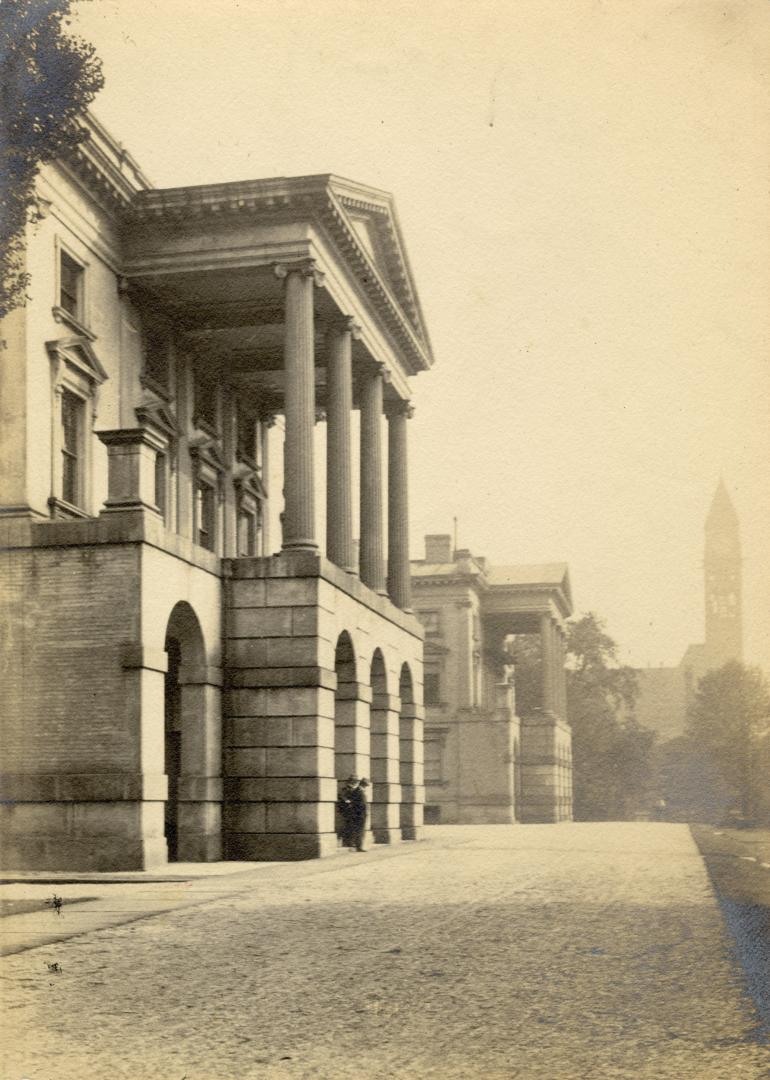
206	449
78	354
154	413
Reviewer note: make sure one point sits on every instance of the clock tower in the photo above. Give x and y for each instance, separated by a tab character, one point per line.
722	572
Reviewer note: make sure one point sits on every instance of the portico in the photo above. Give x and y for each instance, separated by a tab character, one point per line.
489	760
233	321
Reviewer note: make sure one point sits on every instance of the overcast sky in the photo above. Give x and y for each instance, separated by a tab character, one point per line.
583	188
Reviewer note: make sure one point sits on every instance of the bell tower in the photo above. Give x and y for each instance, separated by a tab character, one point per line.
722	573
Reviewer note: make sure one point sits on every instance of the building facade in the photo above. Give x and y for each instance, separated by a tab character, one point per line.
178	683
483	762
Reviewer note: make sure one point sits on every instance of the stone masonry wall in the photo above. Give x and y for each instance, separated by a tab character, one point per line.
284	753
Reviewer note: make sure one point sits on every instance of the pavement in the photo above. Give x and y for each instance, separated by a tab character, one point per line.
554	952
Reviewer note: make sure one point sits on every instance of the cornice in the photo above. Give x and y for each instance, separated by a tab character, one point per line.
104	166
314	197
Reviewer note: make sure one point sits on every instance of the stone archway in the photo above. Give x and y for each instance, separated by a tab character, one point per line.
351	719
193	744
410	743
386	782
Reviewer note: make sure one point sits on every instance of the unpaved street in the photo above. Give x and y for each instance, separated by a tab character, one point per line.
530	952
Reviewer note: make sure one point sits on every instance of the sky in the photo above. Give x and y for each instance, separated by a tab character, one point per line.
583	190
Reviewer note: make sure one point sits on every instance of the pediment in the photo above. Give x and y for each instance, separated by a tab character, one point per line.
78	354
248	479
371	217
207	448
153	412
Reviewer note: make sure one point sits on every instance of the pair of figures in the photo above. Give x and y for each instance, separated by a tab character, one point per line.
352	808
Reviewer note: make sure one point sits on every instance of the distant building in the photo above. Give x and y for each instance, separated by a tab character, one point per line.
483	762
178	684
666	691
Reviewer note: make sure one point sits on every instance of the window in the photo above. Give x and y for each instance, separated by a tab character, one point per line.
206	397
160	483
432	688
247	433
247	533
434	759
71	286
205	515
72	413
431	621
157	365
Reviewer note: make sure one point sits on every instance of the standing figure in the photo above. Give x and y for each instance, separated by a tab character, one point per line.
345	812
358	813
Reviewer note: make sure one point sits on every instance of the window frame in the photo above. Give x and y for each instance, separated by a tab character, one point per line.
79	319
76	455
204	490
436	737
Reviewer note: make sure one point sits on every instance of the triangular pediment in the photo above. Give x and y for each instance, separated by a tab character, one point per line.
78	353
153	412
371	217
207	448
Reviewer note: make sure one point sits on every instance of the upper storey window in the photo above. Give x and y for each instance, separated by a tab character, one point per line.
157	358
71	286
206	393
70	295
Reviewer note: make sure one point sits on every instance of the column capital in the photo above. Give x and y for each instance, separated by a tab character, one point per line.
268	419
304	267
399	408
345	324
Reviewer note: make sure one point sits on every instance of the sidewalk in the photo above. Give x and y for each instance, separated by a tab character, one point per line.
94	901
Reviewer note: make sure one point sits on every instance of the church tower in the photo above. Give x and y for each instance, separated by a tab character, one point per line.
722	571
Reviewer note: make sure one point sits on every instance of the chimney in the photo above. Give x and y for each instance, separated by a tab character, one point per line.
438	548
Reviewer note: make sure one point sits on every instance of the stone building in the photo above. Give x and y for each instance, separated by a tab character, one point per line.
483	762
177	683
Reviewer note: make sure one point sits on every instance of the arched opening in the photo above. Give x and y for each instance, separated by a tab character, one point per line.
410	754
386	791
173	738
351	737
192	726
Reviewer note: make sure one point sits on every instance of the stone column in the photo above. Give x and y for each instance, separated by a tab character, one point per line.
299	404
339	403
560	672
399	580
411	773
546	642
385	769
372	568
266	421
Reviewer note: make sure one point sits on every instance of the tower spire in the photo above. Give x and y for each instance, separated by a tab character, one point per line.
723	585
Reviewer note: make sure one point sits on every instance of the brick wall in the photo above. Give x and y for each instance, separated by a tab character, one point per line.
65	614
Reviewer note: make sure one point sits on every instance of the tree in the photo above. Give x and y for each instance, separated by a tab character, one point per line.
611	751
728	719
47	78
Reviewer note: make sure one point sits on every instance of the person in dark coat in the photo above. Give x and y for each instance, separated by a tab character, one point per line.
358	809
345	812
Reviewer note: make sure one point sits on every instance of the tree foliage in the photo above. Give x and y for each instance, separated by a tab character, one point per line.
47	78
728	719
611	751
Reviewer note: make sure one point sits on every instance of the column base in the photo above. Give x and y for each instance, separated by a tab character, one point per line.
387	836
279	847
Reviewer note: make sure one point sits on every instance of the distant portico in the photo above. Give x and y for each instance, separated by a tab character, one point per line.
484	761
